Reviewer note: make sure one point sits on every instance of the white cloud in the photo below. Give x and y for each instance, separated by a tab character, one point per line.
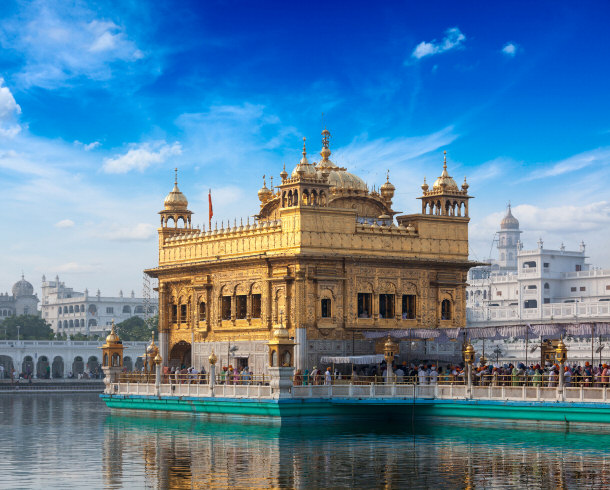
9	111
139	232
87	146
598	157
453	39
65	223
60	44
510	49
141	157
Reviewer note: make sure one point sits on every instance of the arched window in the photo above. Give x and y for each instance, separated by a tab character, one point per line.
274	359
92	322
127	309
202	311
485	294
546	285
446	310
286	359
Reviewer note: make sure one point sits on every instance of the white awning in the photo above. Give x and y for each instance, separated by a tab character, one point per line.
372	359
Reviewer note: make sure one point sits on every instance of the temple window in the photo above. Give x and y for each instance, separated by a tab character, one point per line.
364	305
446	310
174	313
326	308
202	311
226	307
256	306
408	306
241	306
386	306
182	313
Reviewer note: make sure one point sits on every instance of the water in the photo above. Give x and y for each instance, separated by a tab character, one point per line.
72	441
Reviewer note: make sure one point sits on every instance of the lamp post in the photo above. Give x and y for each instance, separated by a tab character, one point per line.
212	360
469	359
561	354
483	359
497	352
390	349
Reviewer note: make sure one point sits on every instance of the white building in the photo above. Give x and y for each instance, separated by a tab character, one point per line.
536	285
70	312
22	301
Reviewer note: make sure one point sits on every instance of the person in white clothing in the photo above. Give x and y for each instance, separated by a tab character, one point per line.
328	377
422	376
433	375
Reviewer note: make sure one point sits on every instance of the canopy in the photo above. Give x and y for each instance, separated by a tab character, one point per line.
372	359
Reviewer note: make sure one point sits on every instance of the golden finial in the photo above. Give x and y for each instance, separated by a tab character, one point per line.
445	160
271	183
304	159
387	177
176	176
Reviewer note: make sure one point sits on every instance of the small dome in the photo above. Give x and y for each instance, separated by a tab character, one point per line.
23	288
445	181
264	193
304	168
387	189
280	332
112	338
509	222
175	199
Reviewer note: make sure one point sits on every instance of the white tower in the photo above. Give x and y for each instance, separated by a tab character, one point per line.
508	242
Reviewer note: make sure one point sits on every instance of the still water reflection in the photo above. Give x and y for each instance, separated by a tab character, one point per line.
72	441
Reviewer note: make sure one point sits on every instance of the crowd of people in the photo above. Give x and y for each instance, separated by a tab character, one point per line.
517	374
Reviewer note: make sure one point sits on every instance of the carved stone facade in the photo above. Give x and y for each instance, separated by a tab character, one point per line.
326	257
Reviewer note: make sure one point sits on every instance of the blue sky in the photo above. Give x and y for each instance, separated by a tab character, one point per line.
99	101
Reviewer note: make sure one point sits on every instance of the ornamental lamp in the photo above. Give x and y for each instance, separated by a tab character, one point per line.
469	354
213	359
390	350
561	352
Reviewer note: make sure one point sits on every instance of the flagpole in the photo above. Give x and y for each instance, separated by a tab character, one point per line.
210	210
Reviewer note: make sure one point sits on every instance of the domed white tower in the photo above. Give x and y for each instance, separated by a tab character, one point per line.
508	241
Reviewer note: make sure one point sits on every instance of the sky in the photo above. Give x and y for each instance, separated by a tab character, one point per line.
100	100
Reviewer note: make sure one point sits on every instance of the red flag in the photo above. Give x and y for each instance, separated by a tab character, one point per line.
211	213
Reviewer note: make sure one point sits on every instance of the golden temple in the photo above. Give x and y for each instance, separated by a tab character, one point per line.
326	258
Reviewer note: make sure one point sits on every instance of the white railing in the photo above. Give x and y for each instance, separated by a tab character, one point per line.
373	391
555	311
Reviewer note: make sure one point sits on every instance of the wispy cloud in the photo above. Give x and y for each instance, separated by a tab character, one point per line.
59	44
140	157
453	39
87	146
510	49
64	223
599	157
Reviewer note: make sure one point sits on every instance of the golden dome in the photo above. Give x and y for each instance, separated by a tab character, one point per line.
264	193
152	350
280	332
112	338
175	199
509	222
304	167
213	359
158	359
445	182
387	189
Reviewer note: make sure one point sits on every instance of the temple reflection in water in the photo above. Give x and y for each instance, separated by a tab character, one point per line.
193	453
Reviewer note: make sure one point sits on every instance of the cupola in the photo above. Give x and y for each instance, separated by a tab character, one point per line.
175	208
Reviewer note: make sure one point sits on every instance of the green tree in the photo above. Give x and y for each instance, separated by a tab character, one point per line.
32	327
134	328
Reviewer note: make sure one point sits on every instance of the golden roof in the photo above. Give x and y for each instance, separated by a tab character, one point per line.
112	337
264	192
304	167
445	182
175	199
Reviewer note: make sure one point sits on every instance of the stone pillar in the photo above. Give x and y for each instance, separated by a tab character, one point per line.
300	353
164	345
281	381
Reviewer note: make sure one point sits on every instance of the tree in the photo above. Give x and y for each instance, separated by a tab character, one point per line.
134	328
32	327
